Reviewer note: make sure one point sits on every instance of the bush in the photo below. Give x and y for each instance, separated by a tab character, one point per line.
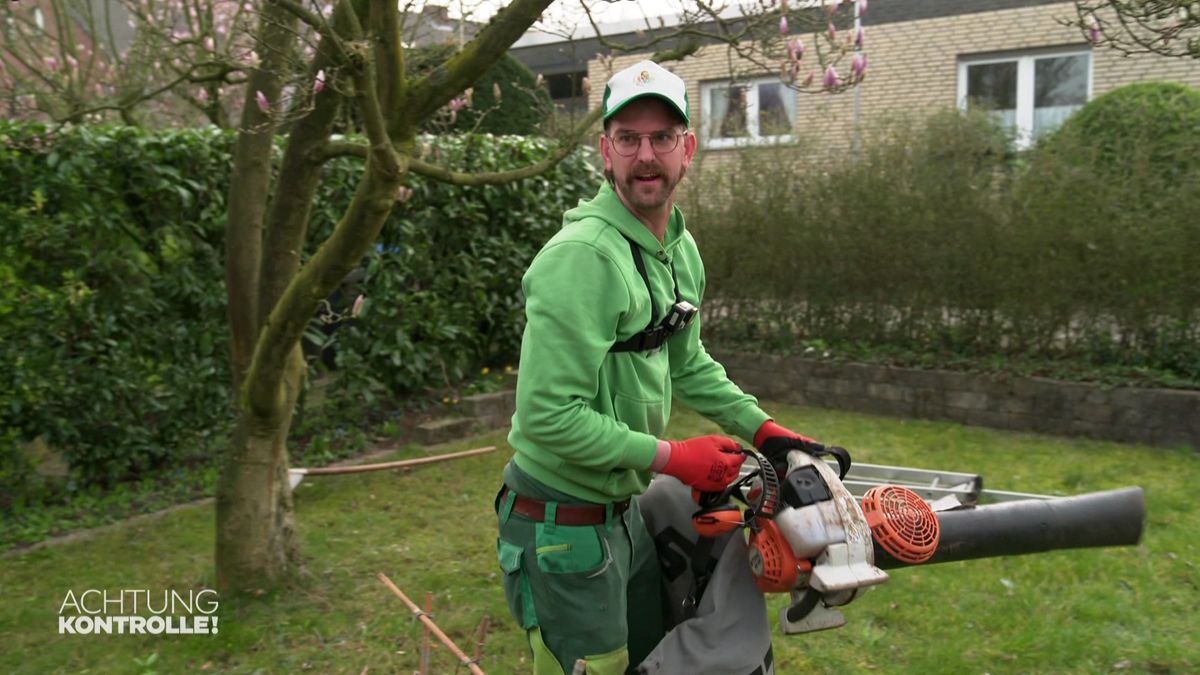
113	339
937	241
444	285
1146	127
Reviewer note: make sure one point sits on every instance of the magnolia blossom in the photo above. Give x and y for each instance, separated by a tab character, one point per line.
358	305
457	104
586	84
496	91
261	98
858	64
202	96
540	80
403	194
1093	28
796	49
319	82
51	63
831	30
830	79
860	36
783	27
860	8
72	62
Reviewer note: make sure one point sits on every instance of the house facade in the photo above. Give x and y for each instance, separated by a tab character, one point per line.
1017	56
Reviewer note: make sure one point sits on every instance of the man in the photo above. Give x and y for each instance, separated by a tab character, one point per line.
609	342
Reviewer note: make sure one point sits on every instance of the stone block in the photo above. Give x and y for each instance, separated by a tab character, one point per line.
969	400
442	430
889	392
496	404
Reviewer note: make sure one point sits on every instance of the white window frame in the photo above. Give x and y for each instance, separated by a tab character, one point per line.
1025	74
753	137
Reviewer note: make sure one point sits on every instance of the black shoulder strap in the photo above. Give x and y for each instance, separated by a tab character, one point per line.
645	339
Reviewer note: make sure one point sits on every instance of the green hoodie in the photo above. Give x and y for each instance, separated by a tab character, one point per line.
588	420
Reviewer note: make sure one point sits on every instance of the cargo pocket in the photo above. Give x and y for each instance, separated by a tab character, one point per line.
569	549
516	583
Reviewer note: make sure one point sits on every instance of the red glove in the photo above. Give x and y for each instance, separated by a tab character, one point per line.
770	430
707	463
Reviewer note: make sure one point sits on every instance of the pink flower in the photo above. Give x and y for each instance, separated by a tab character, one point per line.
586	84
1093	28
458	104
358	306
832	31
796	49
319	83
72	62
860	8
540	80
496	91
403	194
860	36
208	43
830	79
51	63
858	65
783	27
261	98
203	96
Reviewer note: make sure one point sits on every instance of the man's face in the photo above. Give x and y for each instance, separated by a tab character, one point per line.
646	179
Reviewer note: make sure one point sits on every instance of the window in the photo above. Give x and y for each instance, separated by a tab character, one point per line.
746	113
1031	94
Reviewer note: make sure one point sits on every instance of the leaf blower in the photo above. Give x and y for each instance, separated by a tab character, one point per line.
809	536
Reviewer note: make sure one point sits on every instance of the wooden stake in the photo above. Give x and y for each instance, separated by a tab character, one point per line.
437	632
425	635
483	629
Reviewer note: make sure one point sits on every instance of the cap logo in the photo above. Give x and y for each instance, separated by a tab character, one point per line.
643	78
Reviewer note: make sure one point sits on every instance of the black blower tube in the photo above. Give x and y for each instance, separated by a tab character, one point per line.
1110	518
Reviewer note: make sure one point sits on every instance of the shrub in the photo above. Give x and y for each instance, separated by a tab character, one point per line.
113	333
112	302
444	285
935	242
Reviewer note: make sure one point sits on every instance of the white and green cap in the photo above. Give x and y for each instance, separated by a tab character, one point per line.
645	78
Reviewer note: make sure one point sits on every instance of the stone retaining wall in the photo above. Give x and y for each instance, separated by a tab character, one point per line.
1162	417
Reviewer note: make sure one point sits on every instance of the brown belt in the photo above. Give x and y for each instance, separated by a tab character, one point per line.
567	514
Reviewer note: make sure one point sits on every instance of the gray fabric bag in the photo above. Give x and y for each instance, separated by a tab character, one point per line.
730	633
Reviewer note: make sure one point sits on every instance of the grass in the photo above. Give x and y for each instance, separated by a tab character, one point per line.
432	529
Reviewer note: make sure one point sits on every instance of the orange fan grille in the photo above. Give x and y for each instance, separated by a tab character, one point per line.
901	523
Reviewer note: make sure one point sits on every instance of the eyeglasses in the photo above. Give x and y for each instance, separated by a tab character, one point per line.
627	143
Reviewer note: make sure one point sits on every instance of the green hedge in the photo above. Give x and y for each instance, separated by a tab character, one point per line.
112	304
939	241
112	345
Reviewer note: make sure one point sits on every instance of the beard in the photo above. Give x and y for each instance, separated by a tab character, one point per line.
644	196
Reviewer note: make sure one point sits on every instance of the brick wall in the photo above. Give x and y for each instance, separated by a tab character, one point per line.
914	67
1162	417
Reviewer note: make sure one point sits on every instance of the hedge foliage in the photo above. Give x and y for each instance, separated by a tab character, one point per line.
112	343
112	303
939	240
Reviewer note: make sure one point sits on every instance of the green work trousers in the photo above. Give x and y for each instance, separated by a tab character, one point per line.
588	592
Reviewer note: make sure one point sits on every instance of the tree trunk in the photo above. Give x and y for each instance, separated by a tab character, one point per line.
256	533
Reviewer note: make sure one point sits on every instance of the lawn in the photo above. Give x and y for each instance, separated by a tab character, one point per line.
431	529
